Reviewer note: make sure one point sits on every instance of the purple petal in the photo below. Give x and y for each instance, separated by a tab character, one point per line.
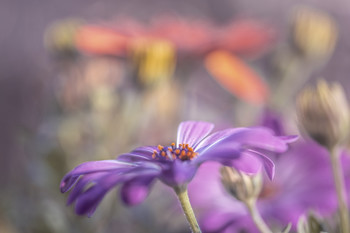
261	138
139	154
146	151
129	157
220	152
135	191
258	158
289	138
81	184
178	173
192	132
227	147
248	163
214	138
91	167
87	202
272	120
269	165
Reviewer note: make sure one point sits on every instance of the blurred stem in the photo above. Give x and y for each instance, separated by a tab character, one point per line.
257	219
295	73
340	189
187	209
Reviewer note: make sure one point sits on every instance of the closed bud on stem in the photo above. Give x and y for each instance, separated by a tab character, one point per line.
243	187
311	224
314	33
323	113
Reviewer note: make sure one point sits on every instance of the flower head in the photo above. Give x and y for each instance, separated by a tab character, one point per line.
324	114
175	164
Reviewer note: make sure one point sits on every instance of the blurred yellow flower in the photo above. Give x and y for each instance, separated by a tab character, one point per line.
59	37
314	32
153	60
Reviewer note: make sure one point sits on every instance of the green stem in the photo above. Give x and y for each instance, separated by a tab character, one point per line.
257	219
187	209
340	189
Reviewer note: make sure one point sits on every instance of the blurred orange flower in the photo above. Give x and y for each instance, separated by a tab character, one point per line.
234	75
246	37
192	38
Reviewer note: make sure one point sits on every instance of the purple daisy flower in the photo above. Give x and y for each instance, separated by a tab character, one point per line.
175	165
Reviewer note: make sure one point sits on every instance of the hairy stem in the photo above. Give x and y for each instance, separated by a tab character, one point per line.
257	219
340	189
187	209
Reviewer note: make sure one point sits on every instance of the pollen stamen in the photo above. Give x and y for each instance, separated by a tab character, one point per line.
154	154
182	152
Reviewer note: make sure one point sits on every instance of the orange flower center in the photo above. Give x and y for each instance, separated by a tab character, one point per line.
183	152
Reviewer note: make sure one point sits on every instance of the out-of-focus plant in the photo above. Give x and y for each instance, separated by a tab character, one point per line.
314	33
303	182
313	39
148	55
245	188
237	77
59	38
310	224
152	60
323	113
96	97
193	39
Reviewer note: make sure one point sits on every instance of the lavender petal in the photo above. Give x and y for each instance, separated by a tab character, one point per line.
192	132
91	167
135	191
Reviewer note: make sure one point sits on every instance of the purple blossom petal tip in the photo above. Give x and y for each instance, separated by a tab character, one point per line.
134	192
289	138
192	132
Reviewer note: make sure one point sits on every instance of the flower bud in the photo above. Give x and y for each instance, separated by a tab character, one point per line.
314	33
323	113
311	224
242	186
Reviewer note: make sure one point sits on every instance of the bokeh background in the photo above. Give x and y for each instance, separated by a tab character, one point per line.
58	109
